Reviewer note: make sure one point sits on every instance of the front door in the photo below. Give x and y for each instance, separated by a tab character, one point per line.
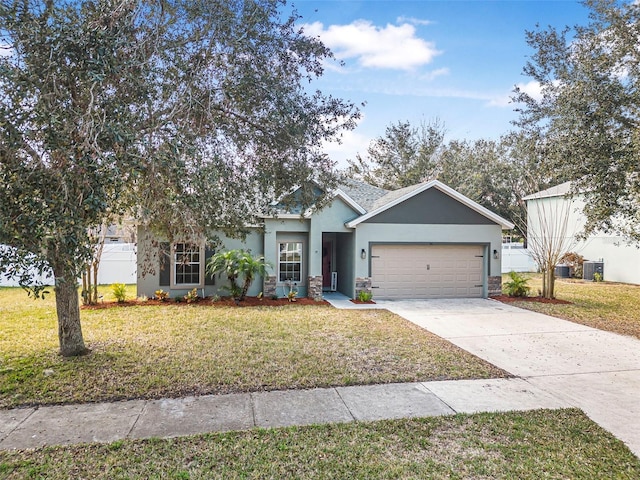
327	254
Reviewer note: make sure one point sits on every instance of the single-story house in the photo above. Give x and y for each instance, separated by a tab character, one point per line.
423	241
621	261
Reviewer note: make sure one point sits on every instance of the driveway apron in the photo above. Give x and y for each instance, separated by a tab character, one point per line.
591	369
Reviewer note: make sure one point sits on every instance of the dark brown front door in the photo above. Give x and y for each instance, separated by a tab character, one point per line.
327	253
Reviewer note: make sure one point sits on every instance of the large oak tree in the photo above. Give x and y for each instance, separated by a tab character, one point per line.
589	111
190	115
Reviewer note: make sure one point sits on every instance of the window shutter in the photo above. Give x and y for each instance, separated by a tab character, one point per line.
165	264
208	280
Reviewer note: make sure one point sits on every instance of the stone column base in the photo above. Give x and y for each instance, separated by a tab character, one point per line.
495	285
269	286
314	288
363	284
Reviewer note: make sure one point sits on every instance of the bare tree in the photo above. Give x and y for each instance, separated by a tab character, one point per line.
549	236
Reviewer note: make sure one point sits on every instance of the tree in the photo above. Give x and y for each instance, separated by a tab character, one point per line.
189	116
588	111
549	223
236	265
403	157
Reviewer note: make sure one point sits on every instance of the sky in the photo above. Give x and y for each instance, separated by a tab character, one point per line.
454	61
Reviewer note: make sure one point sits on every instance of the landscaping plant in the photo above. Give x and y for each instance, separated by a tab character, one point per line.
517	285
119	291
239	266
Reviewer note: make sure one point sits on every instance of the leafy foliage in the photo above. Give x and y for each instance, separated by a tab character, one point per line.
574	261
517	285
240	268
189	116
191	296
365	296
588	111
403	157
119	291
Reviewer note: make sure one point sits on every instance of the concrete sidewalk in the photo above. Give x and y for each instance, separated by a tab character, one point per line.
591	369
108	422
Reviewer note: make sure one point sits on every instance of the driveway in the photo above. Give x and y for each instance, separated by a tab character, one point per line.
594	370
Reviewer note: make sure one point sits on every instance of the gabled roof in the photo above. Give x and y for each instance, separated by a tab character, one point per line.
362	193
557	191
391	199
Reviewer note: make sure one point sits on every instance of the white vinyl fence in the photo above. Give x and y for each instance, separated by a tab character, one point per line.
117	265
516	258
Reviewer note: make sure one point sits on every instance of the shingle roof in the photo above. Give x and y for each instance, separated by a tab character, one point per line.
390	196
362	193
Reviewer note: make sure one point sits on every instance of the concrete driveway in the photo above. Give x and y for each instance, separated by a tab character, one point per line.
594	370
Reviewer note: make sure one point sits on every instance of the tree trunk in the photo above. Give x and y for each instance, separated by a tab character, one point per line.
95	282
68	310
548	283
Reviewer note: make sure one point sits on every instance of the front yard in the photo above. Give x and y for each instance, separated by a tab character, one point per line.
175	350
178	350
608	306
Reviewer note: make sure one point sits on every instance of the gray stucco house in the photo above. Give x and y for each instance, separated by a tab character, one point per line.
423	241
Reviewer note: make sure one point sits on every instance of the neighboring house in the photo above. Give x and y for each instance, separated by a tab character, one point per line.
621	261
423	241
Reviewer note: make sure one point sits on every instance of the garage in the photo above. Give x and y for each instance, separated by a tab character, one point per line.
427	271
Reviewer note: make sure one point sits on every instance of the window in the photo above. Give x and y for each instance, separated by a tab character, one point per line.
187	264
290	262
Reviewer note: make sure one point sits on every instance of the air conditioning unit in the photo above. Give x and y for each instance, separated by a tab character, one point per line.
591	268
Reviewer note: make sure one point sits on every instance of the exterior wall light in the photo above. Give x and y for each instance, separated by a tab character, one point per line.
495	254
363	254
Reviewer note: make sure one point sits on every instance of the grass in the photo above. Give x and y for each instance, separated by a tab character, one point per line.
608	306
525	445
178	350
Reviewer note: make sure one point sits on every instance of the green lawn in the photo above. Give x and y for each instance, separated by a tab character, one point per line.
609	306
177	350
559	444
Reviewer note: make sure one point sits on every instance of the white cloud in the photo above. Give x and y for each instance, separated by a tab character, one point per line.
415	21
532	88
352	143
390	47
439	72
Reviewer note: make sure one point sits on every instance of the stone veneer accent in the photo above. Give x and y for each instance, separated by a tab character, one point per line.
363	283
314	288
269	286
495	285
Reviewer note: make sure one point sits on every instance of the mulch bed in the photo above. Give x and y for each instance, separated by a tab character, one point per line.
359	302
206	302
508	299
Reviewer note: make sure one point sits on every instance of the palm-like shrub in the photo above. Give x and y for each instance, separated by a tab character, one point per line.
238	266
517	286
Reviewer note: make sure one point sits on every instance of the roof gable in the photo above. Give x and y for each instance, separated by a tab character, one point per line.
450	207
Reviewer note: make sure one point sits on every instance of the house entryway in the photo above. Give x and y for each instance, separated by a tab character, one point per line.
337	262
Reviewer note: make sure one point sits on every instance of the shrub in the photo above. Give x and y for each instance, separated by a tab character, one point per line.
364	296
119	291
597	277
240	268
517	286
191	296
574	261
161	295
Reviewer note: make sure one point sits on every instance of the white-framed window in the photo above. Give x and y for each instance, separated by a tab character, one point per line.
290	262
188	265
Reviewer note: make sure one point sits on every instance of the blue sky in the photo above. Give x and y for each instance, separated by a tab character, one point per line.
457	60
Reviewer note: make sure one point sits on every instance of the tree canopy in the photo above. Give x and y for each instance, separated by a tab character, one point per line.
189	115
588	110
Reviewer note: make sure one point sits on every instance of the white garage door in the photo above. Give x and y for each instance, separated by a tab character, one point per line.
426	271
